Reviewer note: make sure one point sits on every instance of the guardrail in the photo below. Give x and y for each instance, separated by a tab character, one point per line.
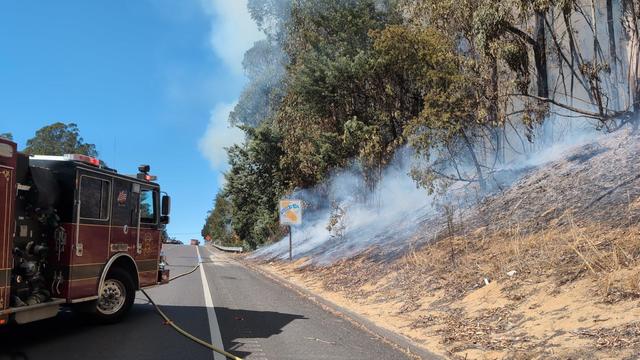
228	248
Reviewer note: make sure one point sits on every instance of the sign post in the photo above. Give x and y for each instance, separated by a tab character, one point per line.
290	244
290	214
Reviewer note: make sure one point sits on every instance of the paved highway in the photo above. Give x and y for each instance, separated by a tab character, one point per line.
223	302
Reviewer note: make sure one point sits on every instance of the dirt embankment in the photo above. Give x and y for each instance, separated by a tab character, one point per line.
549	268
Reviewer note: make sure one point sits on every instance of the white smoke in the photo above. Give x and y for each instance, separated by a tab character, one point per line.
397	214
391	211
232	30
219	136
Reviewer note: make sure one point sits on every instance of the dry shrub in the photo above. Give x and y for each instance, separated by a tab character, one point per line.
620	285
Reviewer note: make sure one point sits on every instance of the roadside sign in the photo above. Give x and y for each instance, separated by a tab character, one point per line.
290	212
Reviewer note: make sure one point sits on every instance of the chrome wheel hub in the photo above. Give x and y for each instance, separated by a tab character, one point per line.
112	297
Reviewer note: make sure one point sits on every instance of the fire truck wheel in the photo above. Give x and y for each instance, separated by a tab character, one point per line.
116	298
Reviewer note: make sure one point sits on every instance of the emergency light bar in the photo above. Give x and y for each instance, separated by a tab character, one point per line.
82	158
143	174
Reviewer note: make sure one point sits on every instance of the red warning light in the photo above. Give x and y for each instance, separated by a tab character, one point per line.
83	158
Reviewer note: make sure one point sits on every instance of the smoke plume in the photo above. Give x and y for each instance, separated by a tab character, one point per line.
342	218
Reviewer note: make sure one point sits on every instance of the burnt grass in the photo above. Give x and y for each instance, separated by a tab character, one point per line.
572	218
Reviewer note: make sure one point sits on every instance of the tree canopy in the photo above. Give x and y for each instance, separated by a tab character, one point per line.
466	84
59	139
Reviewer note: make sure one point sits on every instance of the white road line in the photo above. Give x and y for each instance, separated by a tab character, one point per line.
214	328
247	341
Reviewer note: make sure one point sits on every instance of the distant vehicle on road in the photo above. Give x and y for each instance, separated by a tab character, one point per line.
75	231
195	242
173	242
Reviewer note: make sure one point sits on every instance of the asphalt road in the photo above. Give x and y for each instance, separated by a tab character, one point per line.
249	315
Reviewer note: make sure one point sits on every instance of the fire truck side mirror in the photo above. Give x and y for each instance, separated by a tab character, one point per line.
164	219
166	205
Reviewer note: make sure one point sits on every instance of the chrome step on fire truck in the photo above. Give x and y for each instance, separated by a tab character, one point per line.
74	232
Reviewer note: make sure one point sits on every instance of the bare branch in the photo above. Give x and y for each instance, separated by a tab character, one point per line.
593	115
521	34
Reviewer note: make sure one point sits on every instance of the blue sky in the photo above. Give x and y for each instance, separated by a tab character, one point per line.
147	81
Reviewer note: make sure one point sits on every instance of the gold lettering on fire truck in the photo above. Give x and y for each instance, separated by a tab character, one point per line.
147	244
119	247
122	198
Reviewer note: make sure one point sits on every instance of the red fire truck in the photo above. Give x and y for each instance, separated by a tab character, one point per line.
74	232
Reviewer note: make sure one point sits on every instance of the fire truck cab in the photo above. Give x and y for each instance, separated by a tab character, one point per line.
75	232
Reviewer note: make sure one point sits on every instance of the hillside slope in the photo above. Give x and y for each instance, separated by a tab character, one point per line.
592	183
547	268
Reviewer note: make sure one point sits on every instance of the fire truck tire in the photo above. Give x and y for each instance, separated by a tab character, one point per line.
116	299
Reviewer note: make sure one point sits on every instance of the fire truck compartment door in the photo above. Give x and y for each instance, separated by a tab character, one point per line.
125	217
135	192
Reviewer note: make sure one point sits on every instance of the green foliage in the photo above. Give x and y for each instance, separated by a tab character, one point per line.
264	66
347	82
271	16
355	87
254	185
218	222
489	21
449	108
59	139
311	145
6	135
336	83
516	57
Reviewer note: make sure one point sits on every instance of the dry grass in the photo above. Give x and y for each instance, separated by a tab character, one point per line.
574	293
561	253
431	291
619	337
550	268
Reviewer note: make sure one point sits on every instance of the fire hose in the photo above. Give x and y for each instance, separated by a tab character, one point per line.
183	332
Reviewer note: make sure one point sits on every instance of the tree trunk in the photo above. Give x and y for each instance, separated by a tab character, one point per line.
476	163
613	58
493	90
540	55
493	105
539	45
595	83
630	15
576	60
